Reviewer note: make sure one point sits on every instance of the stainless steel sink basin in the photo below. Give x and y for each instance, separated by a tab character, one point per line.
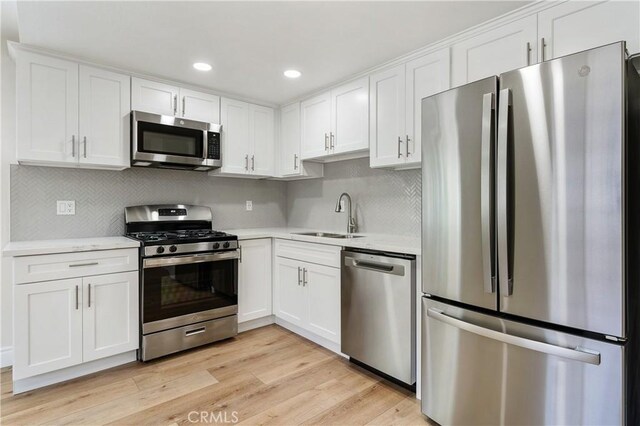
326	235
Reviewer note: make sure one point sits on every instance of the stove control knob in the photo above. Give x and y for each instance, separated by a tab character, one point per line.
160	250
173	249
226	245
216	245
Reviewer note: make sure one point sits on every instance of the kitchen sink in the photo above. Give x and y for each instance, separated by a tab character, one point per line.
326	235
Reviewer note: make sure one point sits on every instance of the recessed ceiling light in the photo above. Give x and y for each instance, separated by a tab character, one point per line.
292	73
201	66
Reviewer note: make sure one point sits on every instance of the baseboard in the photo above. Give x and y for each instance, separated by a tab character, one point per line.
69	373
256	323
332	346
6	356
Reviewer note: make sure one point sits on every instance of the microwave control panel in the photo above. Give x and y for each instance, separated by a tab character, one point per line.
213	145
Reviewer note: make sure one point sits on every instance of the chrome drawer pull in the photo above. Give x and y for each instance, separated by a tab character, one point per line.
84	264
195	331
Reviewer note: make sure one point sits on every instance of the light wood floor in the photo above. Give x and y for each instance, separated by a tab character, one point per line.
263	376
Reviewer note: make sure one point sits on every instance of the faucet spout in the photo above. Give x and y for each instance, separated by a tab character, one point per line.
351	221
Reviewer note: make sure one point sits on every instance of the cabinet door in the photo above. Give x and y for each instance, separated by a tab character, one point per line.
387	110
254	279
261	121
48	327
154	97
234	117
350	117
290	294
316	124
575	26
426	76
323	300
104	117
110	315
199	106
47	109
289	152
495	51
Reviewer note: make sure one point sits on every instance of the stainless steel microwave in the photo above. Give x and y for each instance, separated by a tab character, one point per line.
168	142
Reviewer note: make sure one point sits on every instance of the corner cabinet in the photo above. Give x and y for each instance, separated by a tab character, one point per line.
70	114
395	101
247	140
335	124
64	322
254	279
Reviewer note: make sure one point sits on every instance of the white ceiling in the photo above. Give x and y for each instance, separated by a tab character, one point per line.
249	44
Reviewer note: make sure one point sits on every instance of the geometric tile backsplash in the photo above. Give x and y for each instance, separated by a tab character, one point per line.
385	201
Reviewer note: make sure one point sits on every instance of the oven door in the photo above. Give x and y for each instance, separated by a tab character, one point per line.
165	140
179	290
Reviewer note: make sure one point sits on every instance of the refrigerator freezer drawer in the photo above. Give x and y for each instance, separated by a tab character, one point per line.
480	369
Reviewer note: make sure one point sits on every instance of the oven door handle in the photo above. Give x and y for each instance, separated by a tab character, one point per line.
196	258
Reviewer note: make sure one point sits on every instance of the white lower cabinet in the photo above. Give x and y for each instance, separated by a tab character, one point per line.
322	285
254	280
67	322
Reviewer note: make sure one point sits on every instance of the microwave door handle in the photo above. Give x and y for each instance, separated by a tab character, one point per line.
183	260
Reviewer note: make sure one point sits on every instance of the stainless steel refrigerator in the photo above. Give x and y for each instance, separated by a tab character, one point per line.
529	245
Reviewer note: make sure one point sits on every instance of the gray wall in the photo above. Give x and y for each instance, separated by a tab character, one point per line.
386	201
101	197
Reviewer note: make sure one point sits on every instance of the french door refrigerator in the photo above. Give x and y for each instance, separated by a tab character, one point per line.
529	245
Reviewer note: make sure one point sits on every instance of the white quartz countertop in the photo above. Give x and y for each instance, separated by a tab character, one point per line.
381	242
30	248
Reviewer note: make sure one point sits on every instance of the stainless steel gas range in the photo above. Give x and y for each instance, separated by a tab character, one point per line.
188	278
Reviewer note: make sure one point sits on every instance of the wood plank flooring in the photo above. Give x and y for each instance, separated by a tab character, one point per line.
267	376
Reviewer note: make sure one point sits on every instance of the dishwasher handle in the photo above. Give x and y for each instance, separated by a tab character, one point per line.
385	268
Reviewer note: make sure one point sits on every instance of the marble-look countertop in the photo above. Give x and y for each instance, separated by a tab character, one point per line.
30	248
381	242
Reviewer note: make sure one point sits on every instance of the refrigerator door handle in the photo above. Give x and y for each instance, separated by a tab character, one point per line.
486	196
504	262
577	354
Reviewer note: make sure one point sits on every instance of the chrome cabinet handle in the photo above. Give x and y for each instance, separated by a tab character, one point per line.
399	142
543	45
295	161
331	138
240	254
84	141
253	163
528	53
407	142
75	265
504	273
76	298
184	108
304	277
326	142
246	162
299	279
175	104
486	195
73	145
89	297
574	354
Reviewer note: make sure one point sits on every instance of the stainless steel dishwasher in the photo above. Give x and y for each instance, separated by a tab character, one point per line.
378	312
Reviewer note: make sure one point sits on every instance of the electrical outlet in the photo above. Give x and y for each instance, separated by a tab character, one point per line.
66	207
249	206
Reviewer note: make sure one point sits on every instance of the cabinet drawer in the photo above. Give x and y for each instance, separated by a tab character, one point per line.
29	269
321	254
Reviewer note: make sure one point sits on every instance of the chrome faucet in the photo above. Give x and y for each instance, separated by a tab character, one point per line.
351	221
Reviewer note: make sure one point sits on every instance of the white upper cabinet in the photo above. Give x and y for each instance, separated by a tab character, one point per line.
199	106
493	52
316	126
166	99
247	140
289	153
47	109
261	139
395	108
104	117
350	117
254	280
154	97
71	114
576	25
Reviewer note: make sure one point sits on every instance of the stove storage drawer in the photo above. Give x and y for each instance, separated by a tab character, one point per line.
48	267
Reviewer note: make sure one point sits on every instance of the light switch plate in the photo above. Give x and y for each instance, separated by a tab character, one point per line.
249	206
67	207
